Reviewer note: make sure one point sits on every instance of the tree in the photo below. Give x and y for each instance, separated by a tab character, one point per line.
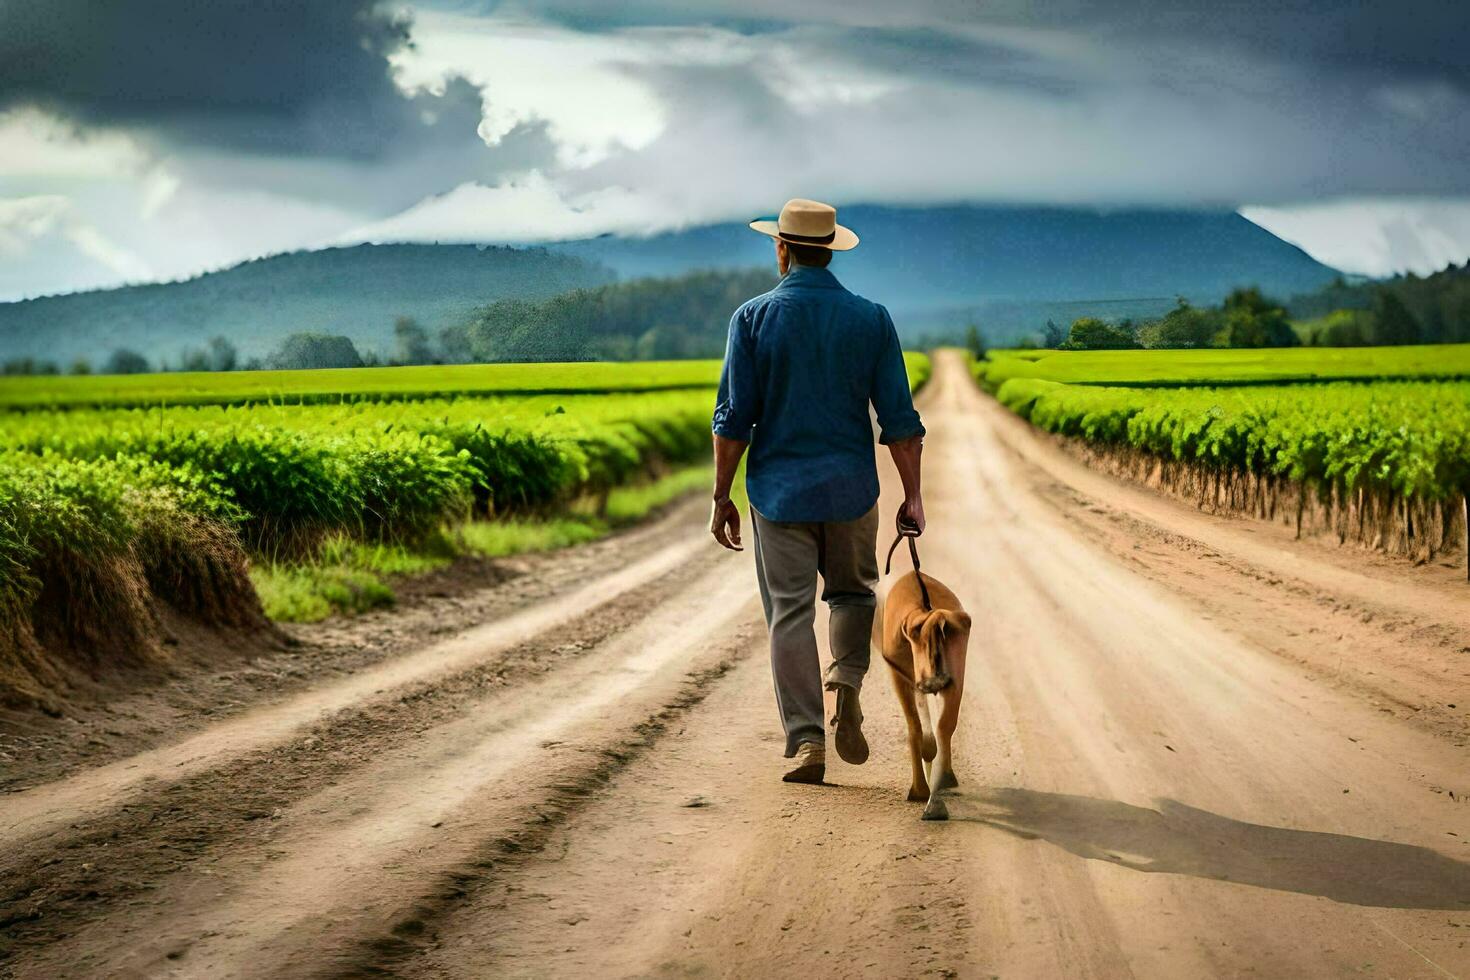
1185	326
412	341
30	365
125	361
1343	328
314	350
194	359
975	342
81	366
1393	322
1090	333
1052	336
1252	320
222	355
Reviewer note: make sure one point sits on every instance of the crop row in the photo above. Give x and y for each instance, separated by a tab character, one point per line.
1405	439
374	384
385	469
1175	368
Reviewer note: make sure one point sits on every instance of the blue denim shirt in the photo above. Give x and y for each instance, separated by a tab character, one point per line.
801	365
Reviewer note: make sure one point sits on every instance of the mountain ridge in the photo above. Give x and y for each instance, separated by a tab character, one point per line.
1009	268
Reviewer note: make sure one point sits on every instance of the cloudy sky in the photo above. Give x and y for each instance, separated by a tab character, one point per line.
152	139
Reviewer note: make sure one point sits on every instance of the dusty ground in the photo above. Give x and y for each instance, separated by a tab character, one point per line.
1191	747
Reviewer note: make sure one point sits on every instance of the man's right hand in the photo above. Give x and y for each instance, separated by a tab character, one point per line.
910	518
724	524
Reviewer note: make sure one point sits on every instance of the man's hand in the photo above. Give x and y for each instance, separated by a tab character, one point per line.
911	516
724	523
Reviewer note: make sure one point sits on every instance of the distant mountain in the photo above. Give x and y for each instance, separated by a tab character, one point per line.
1011	268
356	291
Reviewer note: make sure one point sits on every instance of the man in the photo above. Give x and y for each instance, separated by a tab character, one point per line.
802	364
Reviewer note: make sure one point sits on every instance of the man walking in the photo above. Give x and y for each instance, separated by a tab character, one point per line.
802	364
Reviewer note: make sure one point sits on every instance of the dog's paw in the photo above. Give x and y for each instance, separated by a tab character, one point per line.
947	780
936	810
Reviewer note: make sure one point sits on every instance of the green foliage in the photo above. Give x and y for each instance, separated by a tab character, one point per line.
1438	305
57	511
1228	367
1252	320
1404	438
1183	327
975	342
310	351
1392	321
1340	328
1053	336
124	361
1090	333
21	366
412	342
373	384
335	496
222	355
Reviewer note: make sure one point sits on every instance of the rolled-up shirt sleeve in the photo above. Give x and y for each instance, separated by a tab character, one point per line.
892	400
737	406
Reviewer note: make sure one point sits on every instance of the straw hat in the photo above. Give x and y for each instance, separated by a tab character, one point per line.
804	222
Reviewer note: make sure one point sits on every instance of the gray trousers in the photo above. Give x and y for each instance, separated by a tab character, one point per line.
788	559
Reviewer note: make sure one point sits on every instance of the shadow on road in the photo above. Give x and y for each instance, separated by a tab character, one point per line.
1179	839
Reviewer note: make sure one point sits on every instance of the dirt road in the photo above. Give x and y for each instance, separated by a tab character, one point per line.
1191	747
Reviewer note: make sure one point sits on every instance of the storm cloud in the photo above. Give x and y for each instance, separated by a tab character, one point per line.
245	126
305	77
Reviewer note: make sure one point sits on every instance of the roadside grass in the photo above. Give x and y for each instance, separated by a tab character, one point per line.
347	577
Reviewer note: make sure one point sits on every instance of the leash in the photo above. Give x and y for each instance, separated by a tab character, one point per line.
913	554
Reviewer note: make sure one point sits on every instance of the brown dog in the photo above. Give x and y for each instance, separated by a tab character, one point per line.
925	650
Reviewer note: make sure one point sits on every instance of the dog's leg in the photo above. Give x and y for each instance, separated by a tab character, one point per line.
919	787
941	771
922	701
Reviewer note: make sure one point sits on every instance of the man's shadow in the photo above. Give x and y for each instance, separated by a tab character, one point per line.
1179	839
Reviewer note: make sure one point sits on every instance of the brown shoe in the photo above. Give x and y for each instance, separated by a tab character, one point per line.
810	764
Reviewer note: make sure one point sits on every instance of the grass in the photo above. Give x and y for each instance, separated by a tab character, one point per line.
1169	368
409	383
348	577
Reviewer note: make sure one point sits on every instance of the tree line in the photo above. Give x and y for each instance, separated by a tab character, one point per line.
645	319
1407	310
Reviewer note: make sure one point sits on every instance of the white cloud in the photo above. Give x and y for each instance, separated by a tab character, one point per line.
50	224
532	72
527	209
1375	237
40	146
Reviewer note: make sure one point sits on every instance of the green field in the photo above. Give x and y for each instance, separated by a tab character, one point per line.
1167	368
1386	459
171	486
373	384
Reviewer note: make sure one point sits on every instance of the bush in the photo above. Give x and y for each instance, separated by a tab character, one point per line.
1183	327
309	351
125	361
1252	320
1090	333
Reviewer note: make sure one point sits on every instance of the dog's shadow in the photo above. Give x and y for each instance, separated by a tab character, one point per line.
1180	839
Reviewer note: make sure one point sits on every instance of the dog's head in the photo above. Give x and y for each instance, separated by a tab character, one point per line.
927	632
